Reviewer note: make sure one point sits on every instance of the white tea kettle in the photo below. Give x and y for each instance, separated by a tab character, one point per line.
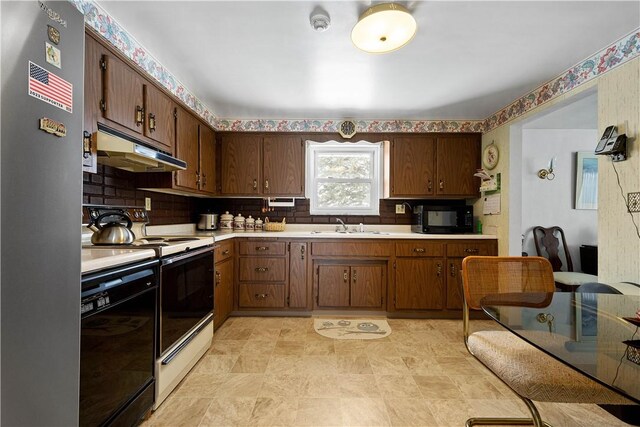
112	232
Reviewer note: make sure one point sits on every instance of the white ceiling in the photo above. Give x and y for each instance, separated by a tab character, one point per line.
261	59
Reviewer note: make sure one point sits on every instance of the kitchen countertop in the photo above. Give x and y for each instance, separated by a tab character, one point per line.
318	231
98	259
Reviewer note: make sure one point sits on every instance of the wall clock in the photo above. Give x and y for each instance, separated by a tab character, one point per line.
490	156
347	128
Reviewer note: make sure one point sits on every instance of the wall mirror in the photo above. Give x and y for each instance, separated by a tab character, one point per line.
586	180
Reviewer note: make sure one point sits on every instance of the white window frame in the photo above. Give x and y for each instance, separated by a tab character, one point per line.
375	149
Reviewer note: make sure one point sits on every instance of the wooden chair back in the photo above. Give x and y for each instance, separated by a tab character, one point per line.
484	275
547	238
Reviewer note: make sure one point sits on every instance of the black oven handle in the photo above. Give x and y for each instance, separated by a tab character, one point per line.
187	255
186	342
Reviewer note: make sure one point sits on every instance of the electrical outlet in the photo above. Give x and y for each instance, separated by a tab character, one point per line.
147	203
399	209
633	201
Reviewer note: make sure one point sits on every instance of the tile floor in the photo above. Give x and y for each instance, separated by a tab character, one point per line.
280	372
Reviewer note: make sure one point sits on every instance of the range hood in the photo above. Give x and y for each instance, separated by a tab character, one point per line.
121	151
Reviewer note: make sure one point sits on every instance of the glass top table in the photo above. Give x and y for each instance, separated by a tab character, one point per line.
596	334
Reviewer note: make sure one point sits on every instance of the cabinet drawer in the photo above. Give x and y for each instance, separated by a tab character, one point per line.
262	269
419	249
259	295
352	249
259	248
223	251
468	248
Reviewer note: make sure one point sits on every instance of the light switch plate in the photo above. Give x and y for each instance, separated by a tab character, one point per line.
147	203
633	201
399	209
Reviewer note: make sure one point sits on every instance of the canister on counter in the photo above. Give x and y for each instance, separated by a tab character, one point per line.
226	221
259	224
250	224
239	223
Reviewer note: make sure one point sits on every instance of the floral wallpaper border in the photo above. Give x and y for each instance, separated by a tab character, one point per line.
372	126
623	50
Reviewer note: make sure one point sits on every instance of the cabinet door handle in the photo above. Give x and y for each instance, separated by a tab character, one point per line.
255	184
471	250
429	186
225	252
419	250
152	122
262	248
204	180
266	184
301	252
441	184
198	178
139	115
261	296
355	275
262	269
438	269
345	276
452	268
218	278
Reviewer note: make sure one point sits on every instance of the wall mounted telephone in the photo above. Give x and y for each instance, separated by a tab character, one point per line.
612	144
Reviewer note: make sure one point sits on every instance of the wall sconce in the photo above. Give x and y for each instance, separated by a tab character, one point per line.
548	173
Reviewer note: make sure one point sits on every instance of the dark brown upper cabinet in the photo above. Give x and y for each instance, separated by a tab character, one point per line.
414	168
458	158
255	165
438	165
187	150
207	182
160	123
134	103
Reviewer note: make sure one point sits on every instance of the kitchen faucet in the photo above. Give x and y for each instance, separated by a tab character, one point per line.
344	226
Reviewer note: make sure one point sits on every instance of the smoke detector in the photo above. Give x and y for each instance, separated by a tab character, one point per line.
320	21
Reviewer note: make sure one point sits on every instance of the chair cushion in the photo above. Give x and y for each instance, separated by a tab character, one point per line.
534	374
572	278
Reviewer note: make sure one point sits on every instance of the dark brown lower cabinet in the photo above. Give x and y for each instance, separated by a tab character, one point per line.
454	296
298	258
351	286
419	284
223	292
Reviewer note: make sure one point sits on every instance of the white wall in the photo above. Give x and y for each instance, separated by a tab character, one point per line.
549	203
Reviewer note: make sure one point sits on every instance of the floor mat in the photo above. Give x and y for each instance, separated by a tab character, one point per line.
352	329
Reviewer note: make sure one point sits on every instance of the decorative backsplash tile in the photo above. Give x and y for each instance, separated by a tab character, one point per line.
618	53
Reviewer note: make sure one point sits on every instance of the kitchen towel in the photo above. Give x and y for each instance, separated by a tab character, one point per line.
352	329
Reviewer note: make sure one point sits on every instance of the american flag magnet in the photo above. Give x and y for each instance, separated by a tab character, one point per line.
49	88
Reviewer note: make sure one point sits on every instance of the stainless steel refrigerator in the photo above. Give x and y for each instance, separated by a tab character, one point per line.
42	69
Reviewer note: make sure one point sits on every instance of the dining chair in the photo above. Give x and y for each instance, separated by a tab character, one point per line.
549	239
530	373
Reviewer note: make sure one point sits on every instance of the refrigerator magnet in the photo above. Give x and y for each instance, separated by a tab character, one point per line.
53	127
54	34
53	55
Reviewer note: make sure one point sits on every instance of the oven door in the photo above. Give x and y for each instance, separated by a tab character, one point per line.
186	294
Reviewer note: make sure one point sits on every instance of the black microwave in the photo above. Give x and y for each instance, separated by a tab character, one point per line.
442	219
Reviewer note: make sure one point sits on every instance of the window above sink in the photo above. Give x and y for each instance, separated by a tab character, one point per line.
344	178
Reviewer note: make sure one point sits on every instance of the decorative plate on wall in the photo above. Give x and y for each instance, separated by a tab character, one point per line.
490	156
347	128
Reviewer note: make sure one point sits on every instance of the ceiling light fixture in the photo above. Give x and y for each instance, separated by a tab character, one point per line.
384	28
